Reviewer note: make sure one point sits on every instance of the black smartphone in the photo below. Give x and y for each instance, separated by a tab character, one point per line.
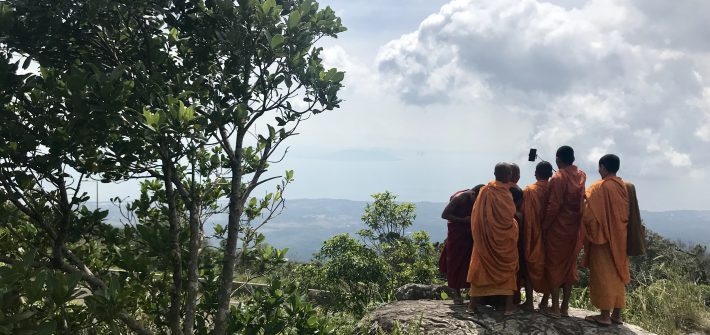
532	155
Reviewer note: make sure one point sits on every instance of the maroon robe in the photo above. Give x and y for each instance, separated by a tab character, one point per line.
456	256
561	226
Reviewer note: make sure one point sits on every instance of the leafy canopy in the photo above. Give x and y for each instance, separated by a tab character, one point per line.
193	97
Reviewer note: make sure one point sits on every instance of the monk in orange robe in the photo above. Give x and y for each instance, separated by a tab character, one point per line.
605	218
517	194
494	260
459	240
563	217
533	209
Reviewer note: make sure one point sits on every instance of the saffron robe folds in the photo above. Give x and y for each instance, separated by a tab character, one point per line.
605	218
494	259
561	226
533	208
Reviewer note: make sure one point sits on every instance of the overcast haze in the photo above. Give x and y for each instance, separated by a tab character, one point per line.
437	92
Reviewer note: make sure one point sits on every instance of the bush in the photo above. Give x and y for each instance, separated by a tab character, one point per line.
278	309
411	260
350	275
355	275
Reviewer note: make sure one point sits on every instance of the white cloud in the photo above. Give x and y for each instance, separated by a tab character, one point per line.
596	152
591	75
656	145
703	131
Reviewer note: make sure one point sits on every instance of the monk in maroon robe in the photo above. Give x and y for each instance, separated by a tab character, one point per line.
459	241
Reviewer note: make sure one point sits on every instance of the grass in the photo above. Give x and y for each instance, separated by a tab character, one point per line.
665	307
669	307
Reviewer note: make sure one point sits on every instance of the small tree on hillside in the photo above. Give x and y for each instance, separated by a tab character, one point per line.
356	274
386	219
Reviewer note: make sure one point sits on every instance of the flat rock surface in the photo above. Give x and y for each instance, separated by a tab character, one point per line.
443	317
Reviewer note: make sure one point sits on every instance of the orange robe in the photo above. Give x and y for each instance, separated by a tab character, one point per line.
605	218
534	200
494	259
563	217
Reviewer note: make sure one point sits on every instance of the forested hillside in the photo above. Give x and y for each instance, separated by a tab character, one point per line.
306	223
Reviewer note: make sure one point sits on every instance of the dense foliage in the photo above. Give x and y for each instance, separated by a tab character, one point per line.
195	98
356	275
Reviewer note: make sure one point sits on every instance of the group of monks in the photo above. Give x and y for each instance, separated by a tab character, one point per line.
502	238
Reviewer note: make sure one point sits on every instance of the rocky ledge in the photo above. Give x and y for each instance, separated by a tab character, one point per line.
436	317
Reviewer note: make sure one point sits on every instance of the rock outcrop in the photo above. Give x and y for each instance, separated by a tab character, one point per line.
434	317
421	291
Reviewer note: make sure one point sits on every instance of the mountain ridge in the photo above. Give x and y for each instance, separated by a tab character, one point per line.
305	223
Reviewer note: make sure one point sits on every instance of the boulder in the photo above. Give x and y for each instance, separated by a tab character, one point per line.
436	317
421	291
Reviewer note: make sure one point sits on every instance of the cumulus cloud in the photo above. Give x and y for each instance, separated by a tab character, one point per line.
703	132
629	77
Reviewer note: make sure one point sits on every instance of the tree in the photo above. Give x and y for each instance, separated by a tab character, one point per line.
386	220
410	259
197	96
355	274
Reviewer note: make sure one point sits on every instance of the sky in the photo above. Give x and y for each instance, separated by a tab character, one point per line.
437	92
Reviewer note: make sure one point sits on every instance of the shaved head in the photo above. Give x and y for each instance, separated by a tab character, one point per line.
543	171
503	172
477	188
515	173
611	162
565	156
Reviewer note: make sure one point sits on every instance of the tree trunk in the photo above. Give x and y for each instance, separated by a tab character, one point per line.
176	289
192	268
236	207
224	293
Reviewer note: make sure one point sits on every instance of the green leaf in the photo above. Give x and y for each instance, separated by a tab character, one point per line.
312	321
242	112
338	77
306	7
444	296
186	114
173	34
23	316
267	6
289	175
218	229
277	41
293	19
151	119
